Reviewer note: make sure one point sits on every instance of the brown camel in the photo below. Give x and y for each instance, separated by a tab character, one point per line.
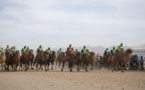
114	62
2	60
124	57
26	59
74	59
31	57
62	60
8	58
15	60
41	60
89	59
51	59
104	60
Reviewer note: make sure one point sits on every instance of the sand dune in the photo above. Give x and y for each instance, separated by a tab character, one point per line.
57	80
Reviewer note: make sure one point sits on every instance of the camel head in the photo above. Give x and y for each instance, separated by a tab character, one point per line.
92	53
129	51
53	52
78	54
63	53
2	53
31	51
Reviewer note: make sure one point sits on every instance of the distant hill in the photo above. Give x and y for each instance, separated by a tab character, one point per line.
139	48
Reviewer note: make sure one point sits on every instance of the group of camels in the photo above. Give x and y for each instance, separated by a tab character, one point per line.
8	61
118	60
16	62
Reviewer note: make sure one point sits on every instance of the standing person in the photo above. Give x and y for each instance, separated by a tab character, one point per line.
120	47
141	61
59	52
23	51
39	50
69	50
48	50
84	51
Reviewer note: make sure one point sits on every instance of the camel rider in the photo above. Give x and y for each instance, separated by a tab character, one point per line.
113	51
7	48
39	50
69	50
48	50
84	52
14	50
76	51
24	50
2	49
28	48
59	52
120	47
106	53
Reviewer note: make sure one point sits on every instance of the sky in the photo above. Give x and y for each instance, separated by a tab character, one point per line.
58	23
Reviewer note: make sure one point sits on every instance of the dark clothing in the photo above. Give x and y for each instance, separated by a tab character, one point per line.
83	55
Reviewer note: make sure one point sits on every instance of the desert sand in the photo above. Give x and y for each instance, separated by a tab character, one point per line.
100	79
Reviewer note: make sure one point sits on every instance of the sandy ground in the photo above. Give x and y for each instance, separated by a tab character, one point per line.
57	80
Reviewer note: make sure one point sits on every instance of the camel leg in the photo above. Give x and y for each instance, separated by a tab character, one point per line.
122	67
52	63
3	64
56	63
112	66
20	68
70	66
41	67
17	66
31	64
91	66
45	65
62	66
37	67
59	63
8	67
125	66
48	65
78	67
86	67
116	66
26	67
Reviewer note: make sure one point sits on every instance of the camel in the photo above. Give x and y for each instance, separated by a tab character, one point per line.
8	58
104	60
62	60
2	60
114	62
89	59
74	59
42	60
31	57
124	57
26	59
15	61
51	59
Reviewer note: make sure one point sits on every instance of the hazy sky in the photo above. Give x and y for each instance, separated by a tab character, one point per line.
57	23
